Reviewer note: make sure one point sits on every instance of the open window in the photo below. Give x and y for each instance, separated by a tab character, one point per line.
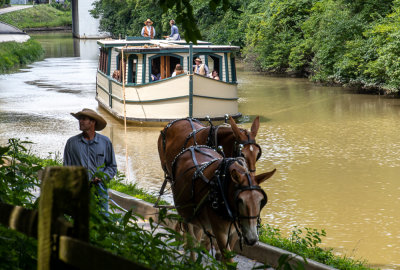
214	63
117	74
132	68
163	66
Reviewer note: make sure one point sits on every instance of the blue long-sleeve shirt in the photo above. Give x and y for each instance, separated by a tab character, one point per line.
175	33
91	154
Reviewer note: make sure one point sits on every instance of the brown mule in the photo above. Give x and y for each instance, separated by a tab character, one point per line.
218	195
182	133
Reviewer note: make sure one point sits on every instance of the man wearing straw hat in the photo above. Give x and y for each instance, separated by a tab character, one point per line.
148	30
200	68
92	151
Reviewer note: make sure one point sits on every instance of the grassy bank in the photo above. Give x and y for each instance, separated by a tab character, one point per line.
121	234
14	55
304	242
39	16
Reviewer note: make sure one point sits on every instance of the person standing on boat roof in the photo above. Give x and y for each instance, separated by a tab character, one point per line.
148	30
92	151
200	68
174	32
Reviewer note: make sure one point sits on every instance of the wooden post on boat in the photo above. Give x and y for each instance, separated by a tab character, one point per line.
65	190
190	65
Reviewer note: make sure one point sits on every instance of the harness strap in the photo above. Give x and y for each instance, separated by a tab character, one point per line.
161	192
192	134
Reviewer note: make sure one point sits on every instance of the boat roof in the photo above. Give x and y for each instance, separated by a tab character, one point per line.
145	45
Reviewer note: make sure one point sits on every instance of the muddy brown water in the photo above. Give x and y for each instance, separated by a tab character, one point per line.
337	154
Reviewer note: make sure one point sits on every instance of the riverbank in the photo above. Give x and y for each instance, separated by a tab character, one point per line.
14	55
38	16
27	165
304	242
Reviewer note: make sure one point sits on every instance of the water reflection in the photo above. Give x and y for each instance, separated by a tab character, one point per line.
337	154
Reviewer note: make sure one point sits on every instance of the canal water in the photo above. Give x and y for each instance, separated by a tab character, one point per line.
337	154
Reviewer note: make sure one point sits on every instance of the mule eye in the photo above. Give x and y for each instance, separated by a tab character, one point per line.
240	201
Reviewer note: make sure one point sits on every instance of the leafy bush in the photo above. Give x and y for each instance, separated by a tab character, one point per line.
120	234
14	54
274	32
306	244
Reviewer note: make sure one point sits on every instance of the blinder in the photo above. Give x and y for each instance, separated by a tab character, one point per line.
238	146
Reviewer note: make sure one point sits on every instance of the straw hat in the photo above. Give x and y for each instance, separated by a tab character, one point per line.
148	20
198	59
100	122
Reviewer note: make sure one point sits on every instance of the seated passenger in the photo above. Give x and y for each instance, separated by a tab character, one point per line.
214	75
178	70
155	75
117	75
174	32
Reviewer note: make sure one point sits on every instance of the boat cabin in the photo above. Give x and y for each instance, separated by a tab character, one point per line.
137	63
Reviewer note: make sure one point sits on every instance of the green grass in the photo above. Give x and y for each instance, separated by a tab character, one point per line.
304	242
14	55
113	235
37	17
132	189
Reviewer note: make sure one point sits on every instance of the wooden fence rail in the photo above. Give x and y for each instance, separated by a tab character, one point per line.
61	244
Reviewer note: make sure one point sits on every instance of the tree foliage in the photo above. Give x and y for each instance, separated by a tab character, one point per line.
354	42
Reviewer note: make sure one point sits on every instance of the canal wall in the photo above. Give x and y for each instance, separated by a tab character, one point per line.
260	252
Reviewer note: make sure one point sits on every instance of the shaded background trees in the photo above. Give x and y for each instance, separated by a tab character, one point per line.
354	42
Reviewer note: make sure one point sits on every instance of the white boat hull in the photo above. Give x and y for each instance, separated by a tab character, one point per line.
168	99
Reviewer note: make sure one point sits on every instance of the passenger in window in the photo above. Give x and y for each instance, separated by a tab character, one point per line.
174	32
200	68
214	75
178	70
117	75
155	75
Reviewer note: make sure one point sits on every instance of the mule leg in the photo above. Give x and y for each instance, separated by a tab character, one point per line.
233	239
220	233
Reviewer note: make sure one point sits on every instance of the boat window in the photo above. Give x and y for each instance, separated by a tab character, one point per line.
117	74
163	66
132	68
103	60
214	64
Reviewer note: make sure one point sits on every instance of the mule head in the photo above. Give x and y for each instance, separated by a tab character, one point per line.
250	151
249	199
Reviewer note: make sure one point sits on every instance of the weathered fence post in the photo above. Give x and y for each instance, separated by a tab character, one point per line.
65	190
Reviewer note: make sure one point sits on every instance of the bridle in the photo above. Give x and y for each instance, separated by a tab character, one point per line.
217	196
239	145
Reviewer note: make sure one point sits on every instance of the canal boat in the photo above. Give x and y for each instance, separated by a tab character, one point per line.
126	87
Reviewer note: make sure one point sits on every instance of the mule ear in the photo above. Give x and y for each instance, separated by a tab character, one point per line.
235	129
255	126
264	176
236	177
